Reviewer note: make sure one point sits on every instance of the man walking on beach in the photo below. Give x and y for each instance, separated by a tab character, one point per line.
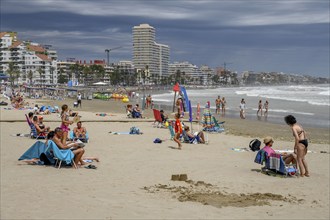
79	99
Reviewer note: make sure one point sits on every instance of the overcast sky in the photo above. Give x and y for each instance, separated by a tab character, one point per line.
290	36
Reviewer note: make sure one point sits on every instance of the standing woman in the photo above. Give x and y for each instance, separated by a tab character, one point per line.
242	107
65	122
259	107
301	144
266	107
223	102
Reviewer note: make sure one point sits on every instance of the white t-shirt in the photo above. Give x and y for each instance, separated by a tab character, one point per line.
79	97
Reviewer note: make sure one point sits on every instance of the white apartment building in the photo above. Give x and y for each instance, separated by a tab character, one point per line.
163	54
190	72
30	59
149	56
63	68
125	66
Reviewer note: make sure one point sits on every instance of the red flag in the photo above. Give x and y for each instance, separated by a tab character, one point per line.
176	87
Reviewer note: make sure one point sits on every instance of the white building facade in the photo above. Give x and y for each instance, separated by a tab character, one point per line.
31	60
150	59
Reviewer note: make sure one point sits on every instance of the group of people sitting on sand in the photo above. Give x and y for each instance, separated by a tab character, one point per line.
60	134
133	112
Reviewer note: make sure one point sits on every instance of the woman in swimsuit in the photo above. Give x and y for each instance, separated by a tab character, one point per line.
65	122
301	144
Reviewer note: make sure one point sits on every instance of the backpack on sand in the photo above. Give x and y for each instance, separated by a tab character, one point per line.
255	145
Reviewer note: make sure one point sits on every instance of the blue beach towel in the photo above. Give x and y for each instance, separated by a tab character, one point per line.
34	151
63	155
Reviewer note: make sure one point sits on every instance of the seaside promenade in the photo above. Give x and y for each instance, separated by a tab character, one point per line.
133	177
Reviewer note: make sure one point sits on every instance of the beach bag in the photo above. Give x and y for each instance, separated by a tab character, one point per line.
134	130
44	159
255	145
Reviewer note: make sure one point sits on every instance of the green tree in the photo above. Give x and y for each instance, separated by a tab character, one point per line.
61	77
98	71
76	71
12	72
52	74
41	72
86	74
115	76
215	79
30	76
177	76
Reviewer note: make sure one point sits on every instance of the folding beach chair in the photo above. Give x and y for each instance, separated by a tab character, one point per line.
158	118
218	126
61	155
187	139
275	163
170	127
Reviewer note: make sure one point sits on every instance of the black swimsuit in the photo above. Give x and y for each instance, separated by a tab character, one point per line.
304	142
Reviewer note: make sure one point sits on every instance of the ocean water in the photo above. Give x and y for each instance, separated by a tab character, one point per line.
310	104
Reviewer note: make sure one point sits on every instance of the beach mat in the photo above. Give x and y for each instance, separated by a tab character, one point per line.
291	151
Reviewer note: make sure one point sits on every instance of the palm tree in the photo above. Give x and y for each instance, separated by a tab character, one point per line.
178	76
17	75
86	74
51	73
30	76
41	72
12	72
75	70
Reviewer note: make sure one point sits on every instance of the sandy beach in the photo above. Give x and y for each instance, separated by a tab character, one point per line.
133	177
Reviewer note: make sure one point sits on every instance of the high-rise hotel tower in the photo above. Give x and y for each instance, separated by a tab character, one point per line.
148	56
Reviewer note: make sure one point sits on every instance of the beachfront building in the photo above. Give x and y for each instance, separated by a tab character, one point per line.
150	59
186	73
126	72
64	71
31	61
40	68
207	75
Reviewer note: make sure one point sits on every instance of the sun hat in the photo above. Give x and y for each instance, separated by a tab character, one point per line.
268	139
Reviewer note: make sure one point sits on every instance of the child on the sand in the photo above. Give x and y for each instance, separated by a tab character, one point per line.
178	130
